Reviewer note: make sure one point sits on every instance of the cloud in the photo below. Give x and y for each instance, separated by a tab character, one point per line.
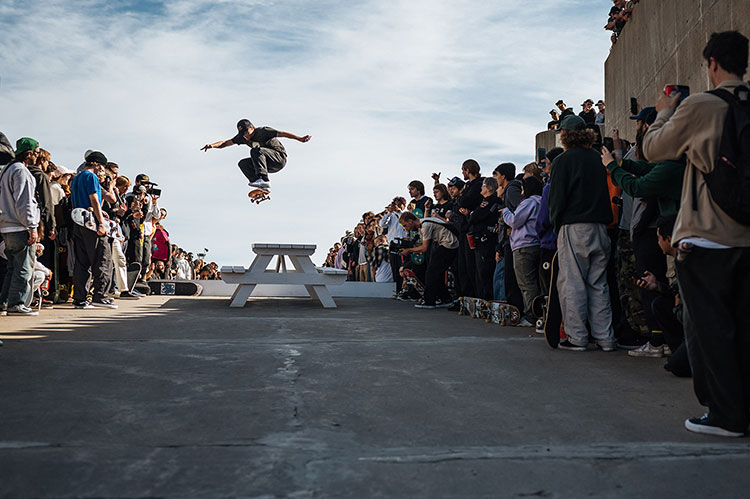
390	91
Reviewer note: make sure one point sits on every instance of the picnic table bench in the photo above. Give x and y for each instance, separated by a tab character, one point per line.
302	272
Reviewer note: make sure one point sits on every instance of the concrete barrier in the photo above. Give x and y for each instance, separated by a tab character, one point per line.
662	44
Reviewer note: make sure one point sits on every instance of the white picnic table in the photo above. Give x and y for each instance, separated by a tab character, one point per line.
302	272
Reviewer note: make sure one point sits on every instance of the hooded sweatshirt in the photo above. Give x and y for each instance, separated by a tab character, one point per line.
523	223
18	207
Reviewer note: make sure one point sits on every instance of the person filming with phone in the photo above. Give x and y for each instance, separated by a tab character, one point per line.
712	231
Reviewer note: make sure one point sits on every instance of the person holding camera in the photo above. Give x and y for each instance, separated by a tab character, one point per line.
713	259
267	154
393	231
442	244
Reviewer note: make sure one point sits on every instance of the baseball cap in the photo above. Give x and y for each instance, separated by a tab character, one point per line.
457	182
25	144
572	122
96	157
647	114
60	170
142	178
139	189
559	102
599	102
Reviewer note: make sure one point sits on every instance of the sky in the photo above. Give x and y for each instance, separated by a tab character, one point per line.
390	91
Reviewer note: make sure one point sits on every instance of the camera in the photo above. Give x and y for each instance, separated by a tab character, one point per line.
671	90
398	244
153	192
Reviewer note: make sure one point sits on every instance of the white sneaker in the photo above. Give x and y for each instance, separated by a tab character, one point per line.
702	425
667	350
525	323
22	310
260	184
648	350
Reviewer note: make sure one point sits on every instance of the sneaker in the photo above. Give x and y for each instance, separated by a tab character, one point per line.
631	343
606	347
702	425
567	345
83	305
128	296
667	350
525	323
422	304
21	310
444	305
648	350
104	303
3	310
455	307
260	184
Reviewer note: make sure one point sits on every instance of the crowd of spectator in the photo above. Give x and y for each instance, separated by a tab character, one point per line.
89	235
589	116
652	237
619	15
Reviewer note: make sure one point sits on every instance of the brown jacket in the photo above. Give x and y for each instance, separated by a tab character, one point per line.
695	130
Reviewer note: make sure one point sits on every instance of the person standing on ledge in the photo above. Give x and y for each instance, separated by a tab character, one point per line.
267	155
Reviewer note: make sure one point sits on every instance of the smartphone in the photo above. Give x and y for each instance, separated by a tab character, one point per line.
541	153
633	106
609	144
671	90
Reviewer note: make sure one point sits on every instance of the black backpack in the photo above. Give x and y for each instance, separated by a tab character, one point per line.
729	182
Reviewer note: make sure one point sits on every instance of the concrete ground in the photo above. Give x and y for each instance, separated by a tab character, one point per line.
188	398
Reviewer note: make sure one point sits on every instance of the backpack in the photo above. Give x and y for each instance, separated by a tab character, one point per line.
729	182
452	228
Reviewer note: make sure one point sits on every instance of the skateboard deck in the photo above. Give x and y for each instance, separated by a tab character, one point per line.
499	312
553	317
539	309
85	218
412	280
133	272
178	288
257	196
471	306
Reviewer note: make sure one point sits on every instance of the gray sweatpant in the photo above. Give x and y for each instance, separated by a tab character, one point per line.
583	253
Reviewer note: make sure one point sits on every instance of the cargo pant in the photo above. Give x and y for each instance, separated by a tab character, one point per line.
583	253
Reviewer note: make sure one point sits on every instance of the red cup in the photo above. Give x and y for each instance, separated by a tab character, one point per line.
472	243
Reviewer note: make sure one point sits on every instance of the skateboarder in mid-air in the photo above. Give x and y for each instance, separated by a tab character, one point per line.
267	155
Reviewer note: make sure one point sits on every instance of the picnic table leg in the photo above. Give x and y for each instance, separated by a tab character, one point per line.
321	293
241	294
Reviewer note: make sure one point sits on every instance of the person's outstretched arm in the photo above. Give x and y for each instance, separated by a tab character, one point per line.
288	135
218	145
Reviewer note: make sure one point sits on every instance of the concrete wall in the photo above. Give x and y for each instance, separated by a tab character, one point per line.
663	44
547	140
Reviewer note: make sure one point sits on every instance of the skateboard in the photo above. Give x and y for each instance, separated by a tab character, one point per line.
178	288
133	272
85	218
257	196
553	317
499	312
539	309
411	279
471	306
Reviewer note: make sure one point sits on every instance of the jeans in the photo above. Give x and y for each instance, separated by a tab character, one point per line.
16	287
261	162
93	256
498	282
526	266
434	286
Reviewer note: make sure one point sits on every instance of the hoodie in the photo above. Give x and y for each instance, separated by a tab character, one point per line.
18	207
523	223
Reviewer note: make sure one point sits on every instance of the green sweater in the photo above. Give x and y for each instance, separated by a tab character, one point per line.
642	179
578	191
